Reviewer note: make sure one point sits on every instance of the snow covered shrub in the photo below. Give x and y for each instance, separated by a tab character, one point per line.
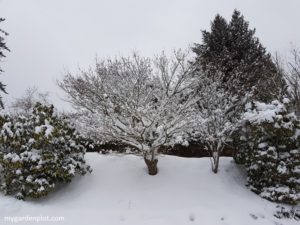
282	212
272	151
242	145
37	152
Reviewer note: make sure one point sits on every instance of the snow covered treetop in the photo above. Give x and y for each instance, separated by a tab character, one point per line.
140	101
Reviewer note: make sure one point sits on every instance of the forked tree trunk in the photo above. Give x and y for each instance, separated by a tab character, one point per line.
151	162
215	162
216	150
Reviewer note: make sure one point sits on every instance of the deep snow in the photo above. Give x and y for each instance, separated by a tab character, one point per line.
119	191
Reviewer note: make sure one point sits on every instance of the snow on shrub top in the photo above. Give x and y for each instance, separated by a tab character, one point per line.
258	112
272	151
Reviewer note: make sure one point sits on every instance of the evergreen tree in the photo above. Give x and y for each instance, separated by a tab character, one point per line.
271	152
212	53
232	48
3	48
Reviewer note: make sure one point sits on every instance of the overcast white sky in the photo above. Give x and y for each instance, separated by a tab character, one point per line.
49	36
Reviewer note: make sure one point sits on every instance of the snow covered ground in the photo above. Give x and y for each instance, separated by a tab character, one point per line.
119	191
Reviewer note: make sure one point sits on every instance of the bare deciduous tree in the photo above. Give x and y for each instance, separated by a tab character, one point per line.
25	104
141	102
3	48
293	79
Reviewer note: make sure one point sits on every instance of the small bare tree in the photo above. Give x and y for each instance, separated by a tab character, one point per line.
218	115
3	48
25	104
293	80
141	102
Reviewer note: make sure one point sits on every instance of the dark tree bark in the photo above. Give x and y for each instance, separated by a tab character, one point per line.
216	150
151	162
152	166
215	164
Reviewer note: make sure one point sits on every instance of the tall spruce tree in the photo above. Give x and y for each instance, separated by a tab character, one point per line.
232	49
213	50
3	48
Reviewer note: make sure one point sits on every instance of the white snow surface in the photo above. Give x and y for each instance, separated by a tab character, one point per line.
119	191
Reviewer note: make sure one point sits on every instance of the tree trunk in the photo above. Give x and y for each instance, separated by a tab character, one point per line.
151	162
215	147
216	151
215	165
152	166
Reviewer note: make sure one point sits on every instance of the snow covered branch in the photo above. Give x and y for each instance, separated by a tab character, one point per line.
141	102
218	115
